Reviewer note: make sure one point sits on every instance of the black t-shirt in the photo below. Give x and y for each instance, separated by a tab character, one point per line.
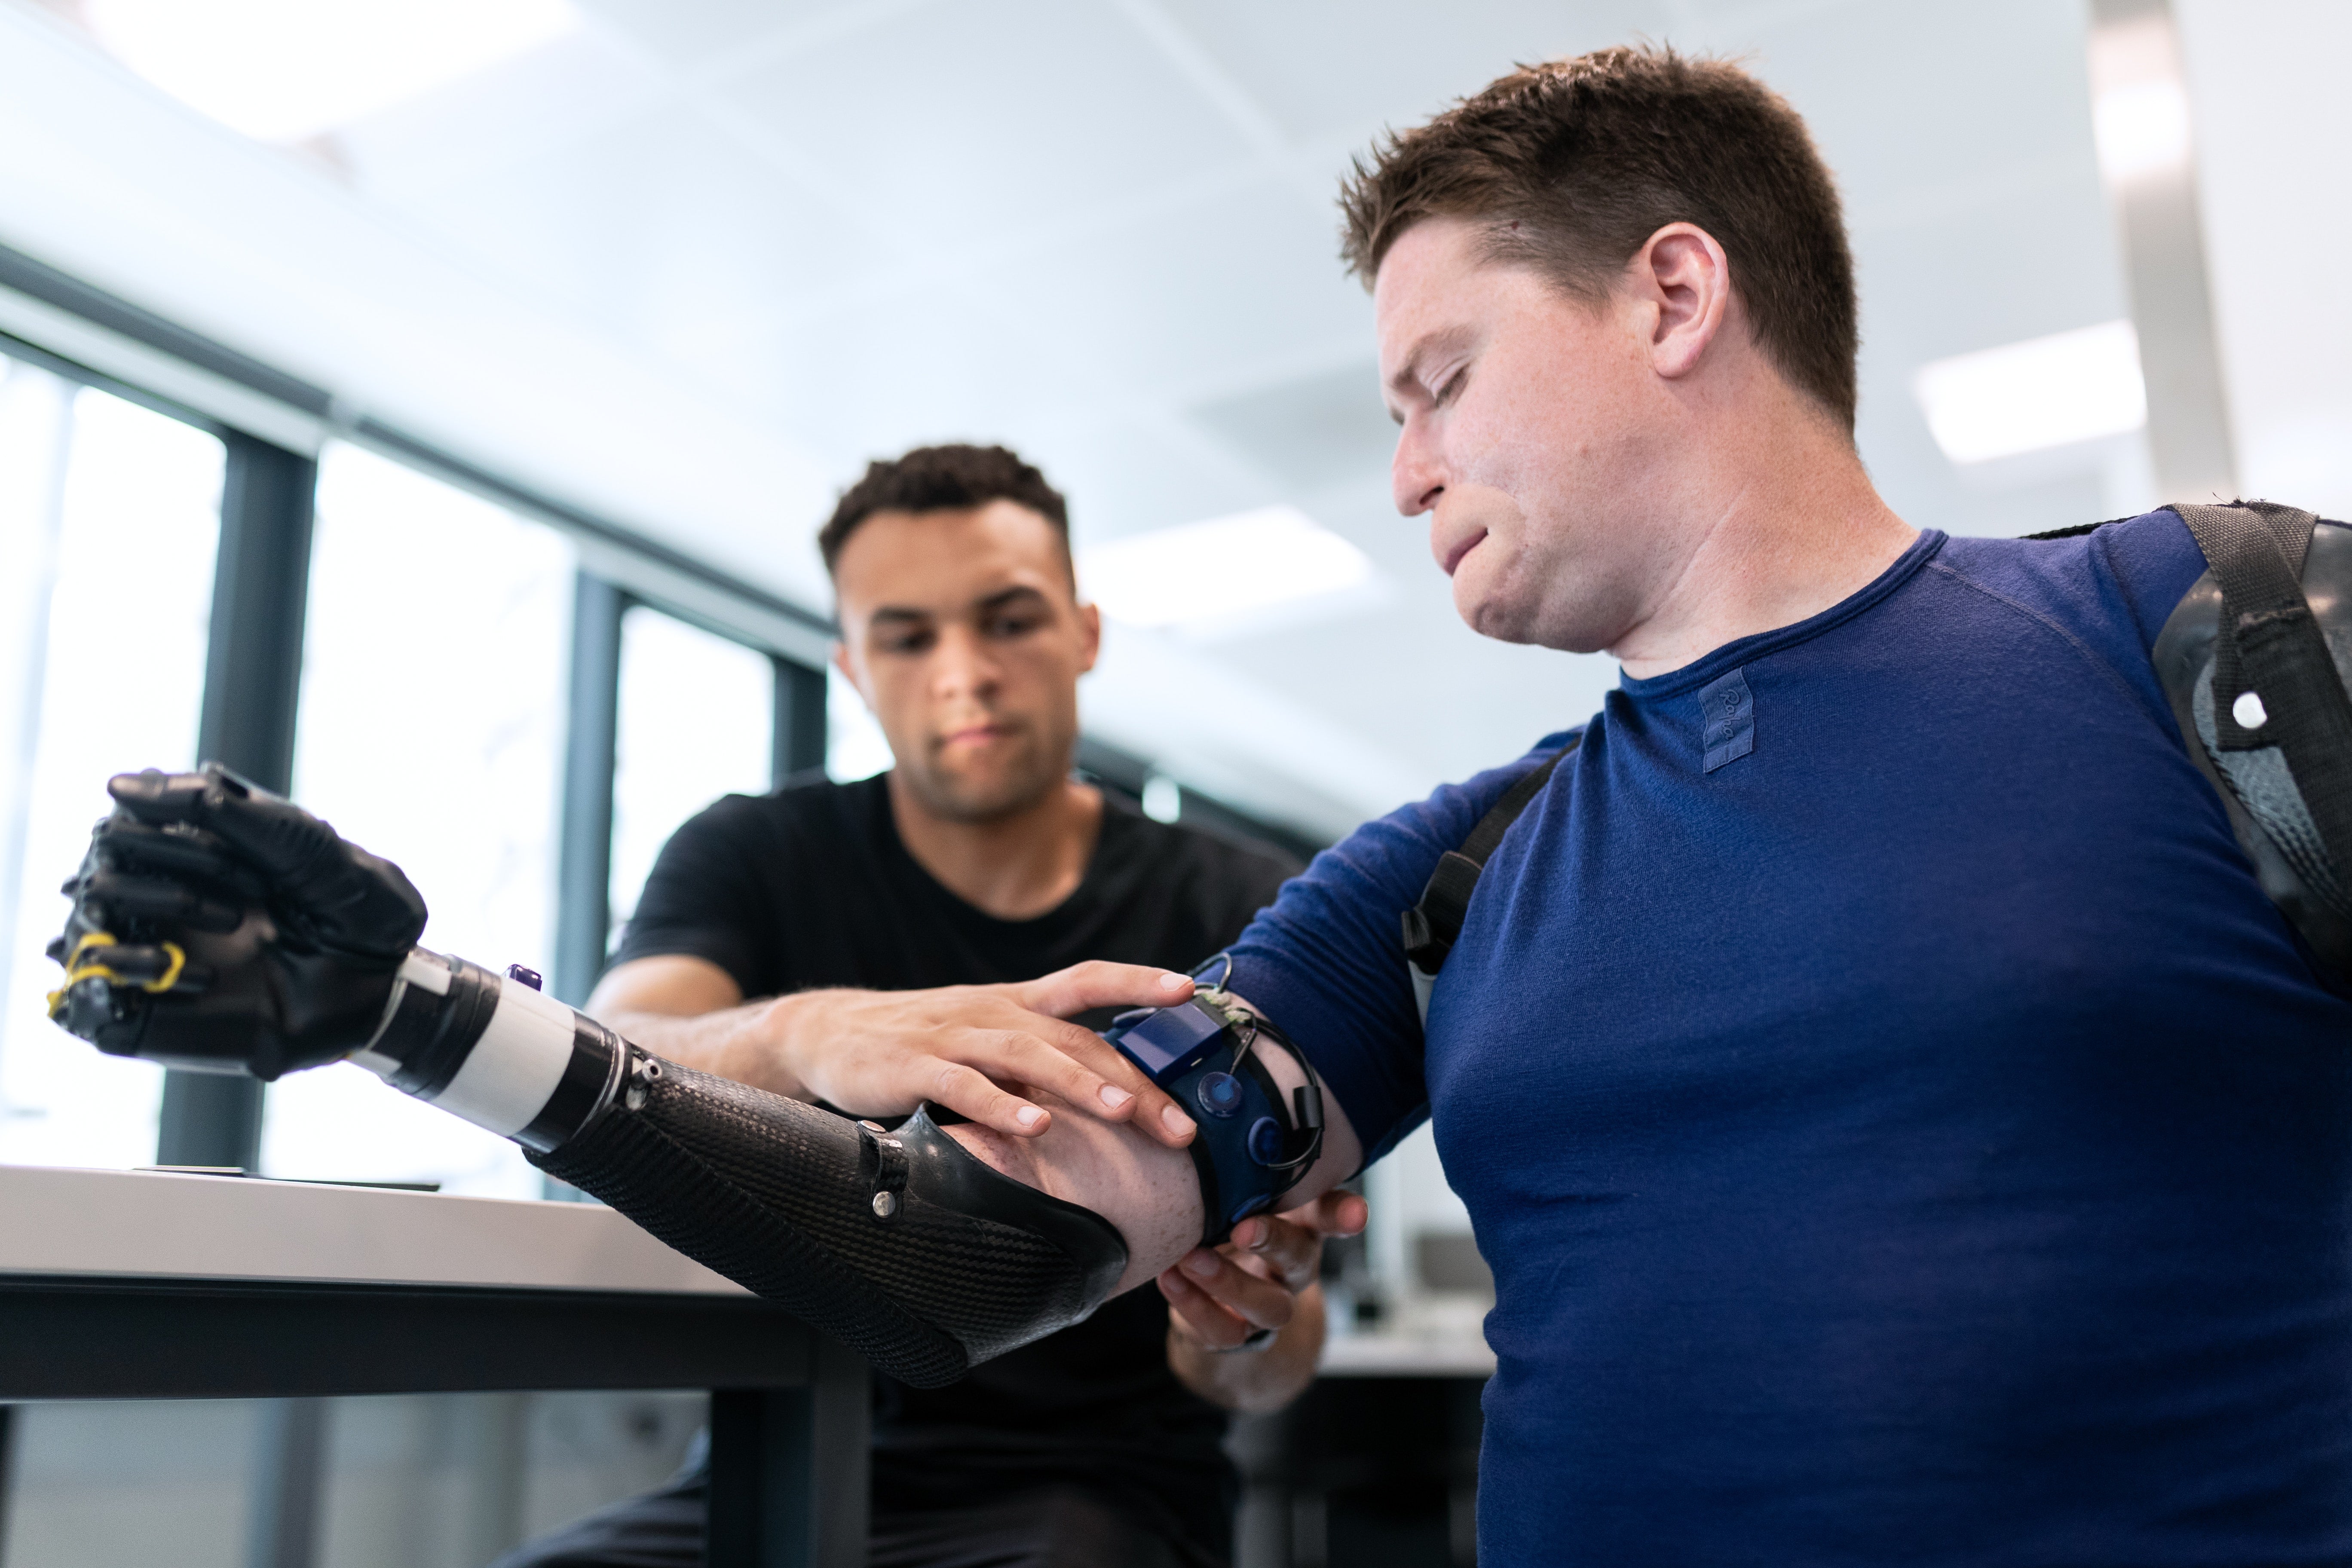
809	887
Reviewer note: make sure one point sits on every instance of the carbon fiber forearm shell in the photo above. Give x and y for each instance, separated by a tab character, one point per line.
781	1198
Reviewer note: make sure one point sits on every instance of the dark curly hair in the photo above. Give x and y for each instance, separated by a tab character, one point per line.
1569	166
943	479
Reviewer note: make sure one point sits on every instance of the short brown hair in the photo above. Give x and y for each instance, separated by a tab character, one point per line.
954	477
1571	165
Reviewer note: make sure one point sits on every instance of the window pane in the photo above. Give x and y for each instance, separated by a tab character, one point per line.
432	731
109	518
697	722
854	746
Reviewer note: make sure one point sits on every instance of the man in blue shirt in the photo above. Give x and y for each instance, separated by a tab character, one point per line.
1899	1125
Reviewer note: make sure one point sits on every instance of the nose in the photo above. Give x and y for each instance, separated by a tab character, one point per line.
1416	476
961	665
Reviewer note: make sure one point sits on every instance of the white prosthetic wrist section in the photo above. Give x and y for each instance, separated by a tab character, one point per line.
508	1077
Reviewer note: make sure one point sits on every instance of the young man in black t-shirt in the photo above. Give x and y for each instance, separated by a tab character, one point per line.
978	861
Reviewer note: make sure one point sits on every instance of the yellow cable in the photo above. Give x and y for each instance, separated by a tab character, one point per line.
77	972
75	975
171	975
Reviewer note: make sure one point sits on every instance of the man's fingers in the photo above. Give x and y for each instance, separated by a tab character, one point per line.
1199	1313
1335	1212
1008	1055
1157	1115
975	1096
1083	987
1292	1251
1078	1065
1262	1303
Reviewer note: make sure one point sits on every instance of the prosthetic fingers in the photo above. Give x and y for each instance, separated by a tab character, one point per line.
1252	1148
218	927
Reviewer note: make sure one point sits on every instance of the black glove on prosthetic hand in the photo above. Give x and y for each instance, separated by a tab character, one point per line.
216	926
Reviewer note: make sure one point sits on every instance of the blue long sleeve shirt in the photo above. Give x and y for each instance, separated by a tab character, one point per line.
1900	1127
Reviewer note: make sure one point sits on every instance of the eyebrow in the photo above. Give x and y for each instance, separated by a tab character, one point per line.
1005	596
906	615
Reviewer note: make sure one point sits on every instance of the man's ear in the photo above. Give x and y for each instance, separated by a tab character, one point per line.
851	673
1089	636
1683	274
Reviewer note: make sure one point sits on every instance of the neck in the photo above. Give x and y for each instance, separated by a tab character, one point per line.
1014	867
1777	523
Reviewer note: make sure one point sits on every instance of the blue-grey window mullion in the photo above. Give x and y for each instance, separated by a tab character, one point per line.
800	719
253	685
584	891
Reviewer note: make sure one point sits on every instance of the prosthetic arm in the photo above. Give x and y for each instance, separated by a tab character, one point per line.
217	928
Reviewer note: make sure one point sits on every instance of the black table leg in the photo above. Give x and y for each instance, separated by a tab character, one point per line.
788	1470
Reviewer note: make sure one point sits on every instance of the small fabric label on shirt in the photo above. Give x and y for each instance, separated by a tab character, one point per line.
1730	715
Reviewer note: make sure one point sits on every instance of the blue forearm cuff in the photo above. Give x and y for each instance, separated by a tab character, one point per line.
1252	1147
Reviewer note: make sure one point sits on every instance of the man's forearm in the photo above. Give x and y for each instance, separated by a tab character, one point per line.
731	1043
1254	1382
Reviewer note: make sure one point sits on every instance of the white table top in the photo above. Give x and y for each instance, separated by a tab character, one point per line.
1406	1355
141	1225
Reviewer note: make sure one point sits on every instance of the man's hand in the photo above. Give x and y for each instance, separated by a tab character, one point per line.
976	1049
1264	1277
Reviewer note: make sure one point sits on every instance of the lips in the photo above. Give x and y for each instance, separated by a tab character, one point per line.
1456	551
975	735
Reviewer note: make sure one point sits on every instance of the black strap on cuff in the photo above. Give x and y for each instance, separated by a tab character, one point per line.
1433	925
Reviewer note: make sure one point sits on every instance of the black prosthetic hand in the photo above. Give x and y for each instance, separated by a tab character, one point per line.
217	926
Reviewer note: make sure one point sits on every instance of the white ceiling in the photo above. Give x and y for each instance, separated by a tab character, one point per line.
1102	231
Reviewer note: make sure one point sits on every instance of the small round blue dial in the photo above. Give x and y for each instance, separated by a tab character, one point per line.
1219	1093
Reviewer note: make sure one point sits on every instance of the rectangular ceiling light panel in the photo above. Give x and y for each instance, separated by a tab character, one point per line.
284	70
2139	99
2057	391
1226	573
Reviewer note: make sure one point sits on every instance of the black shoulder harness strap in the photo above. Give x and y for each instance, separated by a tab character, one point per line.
1433	925
2269	643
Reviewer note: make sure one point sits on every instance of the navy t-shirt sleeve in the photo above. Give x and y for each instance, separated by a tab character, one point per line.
1327	962
2146	565
705	898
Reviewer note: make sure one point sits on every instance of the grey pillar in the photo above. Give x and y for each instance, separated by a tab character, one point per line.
800	719
253	685
584	858
2135	46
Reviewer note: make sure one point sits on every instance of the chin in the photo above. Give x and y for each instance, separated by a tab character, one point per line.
1491	613
987	797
